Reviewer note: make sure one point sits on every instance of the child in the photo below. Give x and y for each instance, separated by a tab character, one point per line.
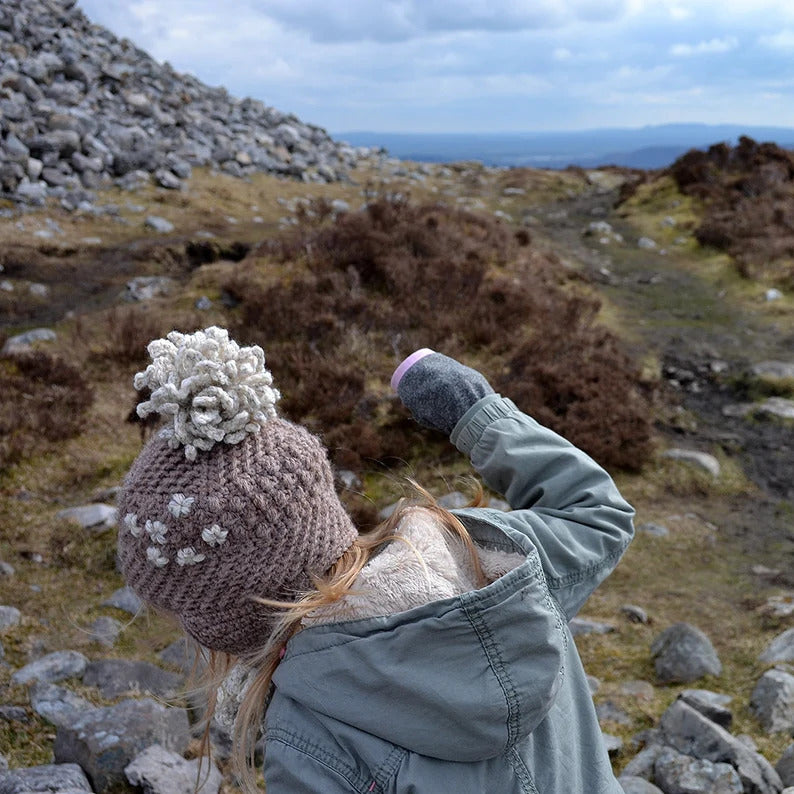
432	655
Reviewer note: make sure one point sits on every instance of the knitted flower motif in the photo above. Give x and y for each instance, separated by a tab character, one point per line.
188	556
214	390
154	555
130	522
180	505
156	531
214	535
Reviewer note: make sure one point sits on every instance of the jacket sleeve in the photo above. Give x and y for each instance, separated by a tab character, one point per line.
561	499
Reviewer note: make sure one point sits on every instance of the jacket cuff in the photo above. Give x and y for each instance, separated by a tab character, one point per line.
472	424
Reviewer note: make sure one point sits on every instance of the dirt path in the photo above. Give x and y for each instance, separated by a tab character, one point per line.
705	342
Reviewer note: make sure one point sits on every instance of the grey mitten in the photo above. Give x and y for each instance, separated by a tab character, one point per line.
438	390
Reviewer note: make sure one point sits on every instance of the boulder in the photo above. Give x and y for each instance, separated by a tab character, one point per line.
772	701
52	668
56	704
104	741
785	766
114	677
159	771
689	732
681	774
51	778
683	653
781	649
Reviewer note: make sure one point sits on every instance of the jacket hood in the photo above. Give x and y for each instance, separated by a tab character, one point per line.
461	679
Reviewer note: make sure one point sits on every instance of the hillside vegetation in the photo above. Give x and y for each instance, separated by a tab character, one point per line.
338	282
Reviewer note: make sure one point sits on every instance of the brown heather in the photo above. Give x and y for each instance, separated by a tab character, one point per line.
402	276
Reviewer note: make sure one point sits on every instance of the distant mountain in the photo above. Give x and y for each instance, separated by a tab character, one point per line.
645	147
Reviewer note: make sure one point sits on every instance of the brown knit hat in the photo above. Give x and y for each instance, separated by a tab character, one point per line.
229	501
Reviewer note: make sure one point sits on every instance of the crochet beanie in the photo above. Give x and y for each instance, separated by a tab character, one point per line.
229	501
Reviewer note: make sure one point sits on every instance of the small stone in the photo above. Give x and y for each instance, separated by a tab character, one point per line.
781	649
96	517
160	225
700	460
14	714
105	630
581	625
125	599
781	407
639	690
608	711
453	500
635	614
114	677
9	617
614	744
203	303
773	295
52	668
657	530
22	342
6	569
646	243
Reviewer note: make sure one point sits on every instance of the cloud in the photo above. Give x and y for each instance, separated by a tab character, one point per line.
782	40
710	47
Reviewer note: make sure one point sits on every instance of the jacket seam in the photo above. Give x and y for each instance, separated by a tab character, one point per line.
497	665
319	754
521	771
557	582
388	769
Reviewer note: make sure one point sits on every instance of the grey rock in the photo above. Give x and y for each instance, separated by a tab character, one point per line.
689	732
700	460
168	179
646	243
683	653
643	763
160	225
124	599
609	711
114	677
56	704
614	744
178	654
22	342
781	407
9	617
159	771
14	714
453	500
785	766
710	704
31	192
637	785
774	370
635	614
53	667
772	701
144	288
581	625
203	303
52	778
657	530
96	517
105	630
680	774
781	649
105	740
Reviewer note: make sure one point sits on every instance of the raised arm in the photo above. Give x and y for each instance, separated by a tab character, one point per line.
561	498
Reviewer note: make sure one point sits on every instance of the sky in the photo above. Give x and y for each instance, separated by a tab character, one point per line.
480	65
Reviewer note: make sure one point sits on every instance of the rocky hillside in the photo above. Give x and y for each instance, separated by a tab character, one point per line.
81	109
591	297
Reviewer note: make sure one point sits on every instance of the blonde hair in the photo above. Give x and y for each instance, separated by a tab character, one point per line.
328	589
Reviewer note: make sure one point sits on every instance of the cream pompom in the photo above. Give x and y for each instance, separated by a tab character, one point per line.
214	390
